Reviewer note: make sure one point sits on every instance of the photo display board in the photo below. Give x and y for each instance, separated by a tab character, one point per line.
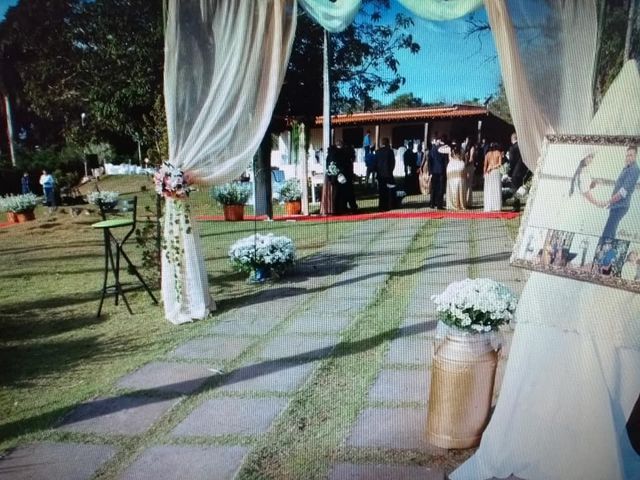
582	218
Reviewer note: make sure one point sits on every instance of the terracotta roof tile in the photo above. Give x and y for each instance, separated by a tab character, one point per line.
427	113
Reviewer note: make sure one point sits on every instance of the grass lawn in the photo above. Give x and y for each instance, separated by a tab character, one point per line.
54	352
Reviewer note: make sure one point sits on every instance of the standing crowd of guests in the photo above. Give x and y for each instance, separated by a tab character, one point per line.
454	169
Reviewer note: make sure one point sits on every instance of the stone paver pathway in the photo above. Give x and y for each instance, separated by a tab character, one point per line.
269	349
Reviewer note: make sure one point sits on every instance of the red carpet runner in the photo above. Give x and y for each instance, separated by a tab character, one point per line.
434	215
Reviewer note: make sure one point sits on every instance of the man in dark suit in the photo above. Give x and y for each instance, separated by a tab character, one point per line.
385	163
438	170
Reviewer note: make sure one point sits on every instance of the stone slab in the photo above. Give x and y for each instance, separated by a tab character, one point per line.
401	386
350	471
268	376
246	325
47	461
393	428
170	462
323	323
299	346
180	378
416	325
214	348
220	416
124	415
411	351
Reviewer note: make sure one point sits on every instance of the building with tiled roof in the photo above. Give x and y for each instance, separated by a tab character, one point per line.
454	121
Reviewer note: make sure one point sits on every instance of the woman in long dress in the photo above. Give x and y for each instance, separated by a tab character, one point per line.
456	178
470	172
492	179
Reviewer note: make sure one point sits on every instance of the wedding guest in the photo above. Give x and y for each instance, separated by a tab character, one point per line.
456	178
366	142
25	183
518	170
48	188
469	173
346	195
329	190
385	163
437	168
620	200
370	162
492	179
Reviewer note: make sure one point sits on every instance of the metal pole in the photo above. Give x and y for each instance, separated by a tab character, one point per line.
12	152
326	97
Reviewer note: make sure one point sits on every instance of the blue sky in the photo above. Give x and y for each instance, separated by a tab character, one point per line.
449	67
4	4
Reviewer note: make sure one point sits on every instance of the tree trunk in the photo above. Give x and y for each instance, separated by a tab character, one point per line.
262	177
630	21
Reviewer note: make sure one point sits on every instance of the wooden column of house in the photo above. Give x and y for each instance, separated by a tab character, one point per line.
479	130
377	137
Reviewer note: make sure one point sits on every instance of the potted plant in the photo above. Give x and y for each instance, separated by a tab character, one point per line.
291	195
261	254
19	208
470	312
106	198
232	196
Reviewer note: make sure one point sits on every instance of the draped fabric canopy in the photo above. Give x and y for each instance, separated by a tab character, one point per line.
225	61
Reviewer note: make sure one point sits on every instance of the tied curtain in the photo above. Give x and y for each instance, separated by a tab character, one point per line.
225	62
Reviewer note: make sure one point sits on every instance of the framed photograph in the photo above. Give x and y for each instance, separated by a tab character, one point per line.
582	219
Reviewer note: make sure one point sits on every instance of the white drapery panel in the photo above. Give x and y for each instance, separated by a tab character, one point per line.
225	61
441	9
338	15
547	74
576	343
333	16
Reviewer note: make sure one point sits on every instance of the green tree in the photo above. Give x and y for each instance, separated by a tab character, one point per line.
120	47
38	54
362	62
406	100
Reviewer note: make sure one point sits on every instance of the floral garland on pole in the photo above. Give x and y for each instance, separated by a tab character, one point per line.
172	184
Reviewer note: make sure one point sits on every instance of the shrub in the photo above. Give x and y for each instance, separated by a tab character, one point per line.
19	203
291	190
234	193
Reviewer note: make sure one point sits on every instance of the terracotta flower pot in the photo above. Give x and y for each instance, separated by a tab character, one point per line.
293	208
233	213
26	216
12	217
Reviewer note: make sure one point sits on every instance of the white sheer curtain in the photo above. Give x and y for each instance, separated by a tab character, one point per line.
225	61
572	377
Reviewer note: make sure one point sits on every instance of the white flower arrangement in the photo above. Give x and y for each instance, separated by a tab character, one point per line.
476	306
276	252
105	197
332	169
